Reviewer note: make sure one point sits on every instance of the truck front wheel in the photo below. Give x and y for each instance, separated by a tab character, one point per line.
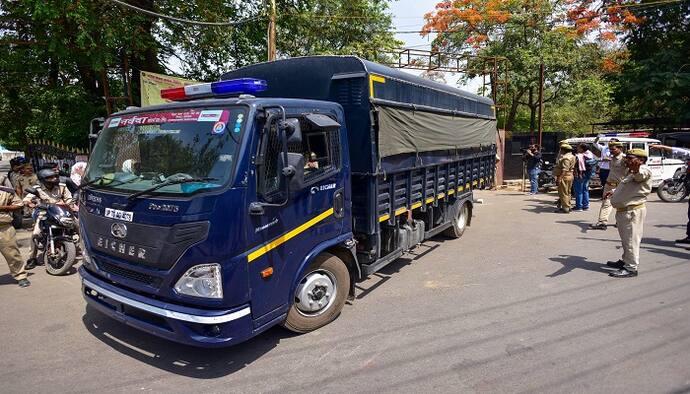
320	295
460	221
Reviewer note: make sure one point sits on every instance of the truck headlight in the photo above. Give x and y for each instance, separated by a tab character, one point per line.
201	281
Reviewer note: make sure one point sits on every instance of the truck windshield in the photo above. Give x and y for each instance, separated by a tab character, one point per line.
136	152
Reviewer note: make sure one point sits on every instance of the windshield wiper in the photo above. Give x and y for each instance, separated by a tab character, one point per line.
100	179
175	181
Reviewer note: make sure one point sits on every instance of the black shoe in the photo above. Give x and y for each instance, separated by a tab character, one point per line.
561	210
684	241
31	264
598	226
616	264
623	273
24	283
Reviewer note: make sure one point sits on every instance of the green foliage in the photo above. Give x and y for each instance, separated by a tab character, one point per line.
655	81
530	36
54	53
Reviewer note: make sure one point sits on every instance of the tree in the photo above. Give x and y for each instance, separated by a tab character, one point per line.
654	77
528	32
57	57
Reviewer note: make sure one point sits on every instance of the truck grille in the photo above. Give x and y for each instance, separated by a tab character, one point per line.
129	274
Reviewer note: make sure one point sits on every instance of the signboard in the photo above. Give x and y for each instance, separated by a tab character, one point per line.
152	83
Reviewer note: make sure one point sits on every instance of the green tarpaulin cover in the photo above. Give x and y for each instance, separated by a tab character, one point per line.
407	131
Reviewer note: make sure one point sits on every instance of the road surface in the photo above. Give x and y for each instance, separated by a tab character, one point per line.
521	303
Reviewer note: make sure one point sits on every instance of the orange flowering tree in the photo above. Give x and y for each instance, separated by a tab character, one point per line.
576	40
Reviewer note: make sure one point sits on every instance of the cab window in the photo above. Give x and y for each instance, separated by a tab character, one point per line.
319	147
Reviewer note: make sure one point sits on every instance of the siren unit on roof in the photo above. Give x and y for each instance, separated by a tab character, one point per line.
220	88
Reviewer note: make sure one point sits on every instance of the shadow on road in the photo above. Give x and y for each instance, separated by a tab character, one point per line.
7	279
572	262
180	359
396	265
654	245
583	225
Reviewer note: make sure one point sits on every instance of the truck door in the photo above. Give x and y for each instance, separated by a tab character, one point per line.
291	226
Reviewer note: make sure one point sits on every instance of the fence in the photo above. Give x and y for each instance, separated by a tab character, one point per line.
42	151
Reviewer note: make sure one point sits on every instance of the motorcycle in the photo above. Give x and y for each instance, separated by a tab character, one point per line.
545	178
58	238
675	189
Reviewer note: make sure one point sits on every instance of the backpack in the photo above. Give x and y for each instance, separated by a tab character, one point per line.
590	164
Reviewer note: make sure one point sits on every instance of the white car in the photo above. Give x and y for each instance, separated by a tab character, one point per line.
663	166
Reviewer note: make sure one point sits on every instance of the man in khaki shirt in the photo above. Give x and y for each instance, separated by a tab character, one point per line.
617	172
9	202
50	191
564	176
26	178
629	199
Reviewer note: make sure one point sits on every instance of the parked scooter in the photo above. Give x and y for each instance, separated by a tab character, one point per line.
546	179
59	236
675	189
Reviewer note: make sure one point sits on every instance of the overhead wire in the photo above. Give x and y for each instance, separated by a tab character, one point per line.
182	20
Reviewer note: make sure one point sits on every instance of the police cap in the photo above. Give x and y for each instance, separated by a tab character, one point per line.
637	152
566	146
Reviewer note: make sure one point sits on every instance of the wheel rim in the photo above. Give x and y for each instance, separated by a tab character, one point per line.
671	192
57	260
462	218
316	293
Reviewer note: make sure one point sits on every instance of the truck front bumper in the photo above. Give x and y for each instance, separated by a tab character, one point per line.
191	326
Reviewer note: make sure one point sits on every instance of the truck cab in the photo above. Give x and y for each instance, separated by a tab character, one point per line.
192	205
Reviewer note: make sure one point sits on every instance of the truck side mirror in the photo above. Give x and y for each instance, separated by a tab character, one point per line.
293	171
293	131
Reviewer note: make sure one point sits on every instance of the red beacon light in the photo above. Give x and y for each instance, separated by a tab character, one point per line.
220	88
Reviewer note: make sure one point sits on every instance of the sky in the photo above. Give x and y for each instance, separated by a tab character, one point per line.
409	15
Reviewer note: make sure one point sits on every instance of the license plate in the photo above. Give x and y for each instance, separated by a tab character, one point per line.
119	215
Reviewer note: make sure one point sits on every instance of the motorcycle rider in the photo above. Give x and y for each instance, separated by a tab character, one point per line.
683	154
50	191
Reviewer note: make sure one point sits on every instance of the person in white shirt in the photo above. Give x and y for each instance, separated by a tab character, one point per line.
604	155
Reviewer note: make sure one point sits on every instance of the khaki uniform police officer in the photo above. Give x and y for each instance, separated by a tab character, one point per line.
564	175
629	199
50	191
617	172
8	237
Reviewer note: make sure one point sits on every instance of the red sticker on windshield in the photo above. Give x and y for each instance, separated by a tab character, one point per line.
192	115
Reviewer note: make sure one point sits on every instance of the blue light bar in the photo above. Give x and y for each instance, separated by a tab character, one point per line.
239	86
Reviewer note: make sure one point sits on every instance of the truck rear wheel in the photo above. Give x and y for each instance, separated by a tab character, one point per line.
462	217
320	295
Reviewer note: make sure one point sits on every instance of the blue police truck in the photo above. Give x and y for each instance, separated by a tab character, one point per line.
260	199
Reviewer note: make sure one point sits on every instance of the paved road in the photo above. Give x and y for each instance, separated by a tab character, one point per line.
520	304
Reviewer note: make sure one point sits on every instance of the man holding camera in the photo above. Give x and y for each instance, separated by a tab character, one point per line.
532	159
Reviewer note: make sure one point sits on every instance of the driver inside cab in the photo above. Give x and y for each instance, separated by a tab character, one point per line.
312	163
49	191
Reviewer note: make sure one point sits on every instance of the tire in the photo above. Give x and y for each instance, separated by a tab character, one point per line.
325	272
664	194
460	222
67	252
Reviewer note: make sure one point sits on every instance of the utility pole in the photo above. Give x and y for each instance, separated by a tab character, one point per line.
541	100
272	30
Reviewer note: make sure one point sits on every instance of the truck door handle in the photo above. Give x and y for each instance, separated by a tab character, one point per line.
256	209
339	203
